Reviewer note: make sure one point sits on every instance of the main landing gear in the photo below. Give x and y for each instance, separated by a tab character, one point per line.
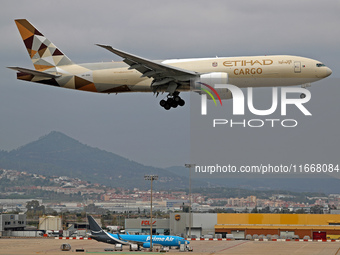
172	101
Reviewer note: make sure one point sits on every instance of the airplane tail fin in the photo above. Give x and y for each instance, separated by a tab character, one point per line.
43	53
94	227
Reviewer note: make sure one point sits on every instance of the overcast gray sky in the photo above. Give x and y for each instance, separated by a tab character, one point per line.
133	125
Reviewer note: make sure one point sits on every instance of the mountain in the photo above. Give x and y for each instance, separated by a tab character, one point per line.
59	155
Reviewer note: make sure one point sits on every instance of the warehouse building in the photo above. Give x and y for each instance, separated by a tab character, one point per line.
142	226
201	224
316	226
178	224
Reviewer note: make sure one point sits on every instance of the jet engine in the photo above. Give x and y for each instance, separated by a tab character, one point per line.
146	245
214	78
223	93
207	81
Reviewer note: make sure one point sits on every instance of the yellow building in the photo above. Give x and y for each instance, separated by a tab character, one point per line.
316	226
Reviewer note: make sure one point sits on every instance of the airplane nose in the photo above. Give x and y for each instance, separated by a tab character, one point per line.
328	72
324	72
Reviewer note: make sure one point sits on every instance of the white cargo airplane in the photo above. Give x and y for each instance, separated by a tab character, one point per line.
138	74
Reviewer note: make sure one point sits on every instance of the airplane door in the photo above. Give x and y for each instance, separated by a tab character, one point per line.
297	67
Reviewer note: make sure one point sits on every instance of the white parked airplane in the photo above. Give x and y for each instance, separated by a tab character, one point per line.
138	74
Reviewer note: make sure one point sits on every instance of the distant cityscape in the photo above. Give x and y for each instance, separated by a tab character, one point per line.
62	193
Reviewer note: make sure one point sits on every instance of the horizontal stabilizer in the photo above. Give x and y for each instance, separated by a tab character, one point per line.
34	72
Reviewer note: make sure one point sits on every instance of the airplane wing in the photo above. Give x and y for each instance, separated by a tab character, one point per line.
34	72
129	241
161	73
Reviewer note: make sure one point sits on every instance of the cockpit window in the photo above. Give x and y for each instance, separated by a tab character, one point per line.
320	64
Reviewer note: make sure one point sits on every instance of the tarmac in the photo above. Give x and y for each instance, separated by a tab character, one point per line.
51	246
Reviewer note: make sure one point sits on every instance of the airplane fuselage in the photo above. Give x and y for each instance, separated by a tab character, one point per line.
138	74
142	240
257	71
156	239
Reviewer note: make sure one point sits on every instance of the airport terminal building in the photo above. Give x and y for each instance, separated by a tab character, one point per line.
316	226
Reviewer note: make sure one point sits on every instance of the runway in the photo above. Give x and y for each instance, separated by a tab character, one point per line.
52	246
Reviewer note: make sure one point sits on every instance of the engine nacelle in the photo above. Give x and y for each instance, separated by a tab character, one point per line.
210	79
146	245
223	93
214	78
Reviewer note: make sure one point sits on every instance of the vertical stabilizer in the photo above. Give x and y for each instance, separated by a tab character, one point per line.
44	54
94	227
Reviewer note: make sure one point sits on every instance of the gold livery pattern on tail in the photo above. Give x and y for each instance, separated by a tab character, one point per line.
43	53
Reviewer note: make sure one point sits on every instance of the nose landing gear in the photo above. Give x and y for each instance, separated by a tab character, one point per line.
302	95
305	86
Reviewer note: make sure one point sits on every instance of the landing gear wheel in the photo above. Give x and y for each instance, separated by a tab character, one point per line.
177	98
174	104
173	100
181	102
162	102
167	106
302	95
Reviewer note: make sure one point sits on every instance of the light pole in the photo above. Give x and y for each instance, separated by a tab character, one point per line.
190	166
151	178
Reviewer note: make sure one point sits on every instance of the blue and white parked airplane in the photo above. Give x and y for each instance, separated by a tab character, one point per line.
98	234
